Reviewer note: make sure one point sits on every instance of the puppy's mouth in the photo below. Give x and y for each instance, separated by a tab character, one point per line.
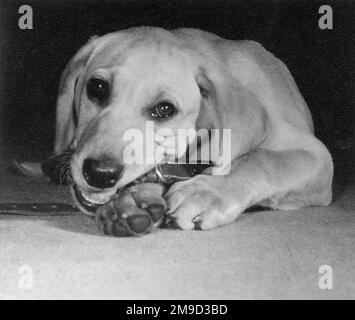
89	202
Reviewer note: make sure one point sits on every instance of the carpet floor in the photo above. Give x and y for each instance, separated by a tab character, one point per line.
263	255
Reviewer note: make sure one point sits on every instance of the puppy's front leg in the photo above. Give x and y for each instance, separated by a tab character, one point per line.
278	179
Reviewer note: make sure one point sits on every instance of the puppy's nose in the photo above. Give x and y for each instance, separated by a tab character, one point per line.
103	173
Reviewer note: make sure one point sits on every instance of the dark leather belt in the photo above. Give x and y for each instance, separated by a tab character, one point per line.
38	209
165	174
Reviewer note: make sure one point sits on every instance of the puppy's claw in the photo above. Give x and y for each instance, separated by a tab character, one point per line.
196	219
197	222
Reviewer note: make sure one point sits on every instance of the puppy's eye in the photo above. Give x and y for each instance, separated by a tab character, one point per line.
98	89
162	110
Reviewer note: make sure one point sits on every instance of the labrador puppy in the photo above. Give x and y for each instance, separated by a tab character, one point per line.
187	79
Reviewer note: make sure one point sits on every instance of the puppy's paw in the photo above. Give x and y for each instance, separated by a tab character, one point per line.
198	204
135	211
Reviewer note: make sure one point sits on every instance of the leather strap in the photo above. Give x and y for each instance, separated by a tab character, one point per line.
164	174
38	209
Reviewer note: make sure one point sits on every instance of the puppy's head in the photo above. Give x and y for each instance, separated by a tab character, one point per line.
131	91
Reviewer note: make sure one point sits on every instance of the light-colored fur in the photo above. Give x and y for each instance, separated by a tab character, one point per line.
276	159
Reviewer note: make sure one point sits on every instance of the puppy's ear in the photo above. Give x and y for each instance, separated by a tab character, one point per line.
66	114
208	116
227	104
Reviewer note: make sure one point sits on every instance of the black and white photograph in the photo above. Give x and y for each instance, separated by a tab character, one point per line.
180	150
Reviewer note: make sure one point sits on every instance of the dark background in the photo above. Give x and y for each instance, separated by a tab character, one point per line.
322	61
